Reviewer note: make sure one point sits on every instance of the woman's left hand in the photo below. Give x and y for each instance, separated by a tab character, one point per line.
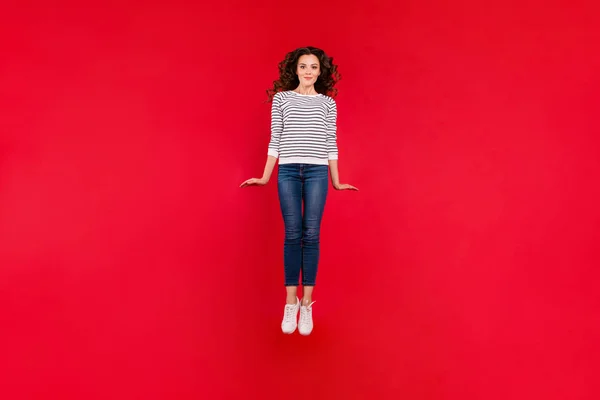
344	186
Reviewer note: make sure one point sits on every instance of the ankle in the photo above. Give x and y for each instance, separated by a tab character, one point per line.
306	301
291	300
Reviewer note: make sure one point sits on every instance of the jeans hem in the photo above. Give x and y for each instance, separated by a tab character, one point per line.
299	284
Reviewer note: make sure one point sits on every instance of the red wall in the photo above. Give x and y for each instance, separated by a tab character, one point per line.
133	267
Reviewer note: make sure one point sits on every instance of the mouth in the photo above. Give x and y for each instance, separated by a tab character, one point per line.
308	77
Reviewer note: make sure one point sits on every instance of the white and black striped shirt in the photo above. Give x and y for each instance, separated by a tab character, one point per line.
303	128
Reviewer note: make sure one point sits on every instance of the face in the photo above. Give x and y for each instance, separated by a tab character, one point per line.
308	69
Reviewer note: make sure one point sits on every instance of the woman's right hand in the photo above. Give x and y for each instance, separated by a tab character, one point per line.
254	182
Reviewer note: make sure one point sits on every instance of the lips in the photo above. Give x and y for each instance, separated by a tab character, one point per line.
308	77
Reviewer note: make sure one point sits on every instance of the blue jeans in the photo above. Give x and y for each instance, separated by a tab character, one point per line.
298	184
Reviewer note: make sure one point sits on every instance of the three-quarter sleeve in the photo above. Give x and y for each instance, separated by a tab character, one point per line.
332	149
276	126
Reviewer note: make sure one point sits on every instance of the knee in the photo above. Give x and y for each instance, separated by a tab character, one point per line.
293	235
310	236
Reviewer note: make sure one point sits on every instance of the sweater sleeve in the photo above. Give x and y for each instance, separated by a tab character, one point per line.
276	126
332	149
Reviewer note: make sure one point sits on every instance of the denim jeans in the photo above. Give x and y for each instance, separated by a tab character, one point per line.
297	185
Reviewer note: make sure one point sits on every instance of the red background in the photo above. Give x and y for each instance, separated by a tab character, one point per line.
133	267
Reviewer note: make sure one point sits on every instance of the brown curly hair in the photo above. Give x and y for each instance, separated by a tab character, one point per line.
288	80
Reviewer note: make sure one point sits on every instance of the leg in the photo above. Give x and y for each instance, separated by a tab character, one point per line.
307	295
291	296
315	194
289	189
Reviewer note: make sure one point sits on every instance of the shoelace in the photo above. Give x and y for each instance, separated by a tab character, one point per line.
305	313
289	313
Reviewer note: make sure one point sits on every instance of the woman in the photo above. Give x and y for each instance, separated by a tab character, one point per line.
303	138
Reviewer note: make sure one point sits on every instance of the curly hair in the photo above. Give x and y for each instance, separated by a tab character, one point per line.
288	80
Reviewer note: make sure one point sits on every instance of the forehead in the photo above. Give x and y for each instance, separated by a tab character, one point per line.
308	59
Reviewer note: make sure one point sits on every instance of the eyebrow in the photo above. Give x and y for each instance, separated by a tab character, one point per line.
310	64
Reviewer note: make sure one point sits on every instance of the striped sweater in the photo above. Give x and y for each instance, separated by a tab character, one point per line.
303	128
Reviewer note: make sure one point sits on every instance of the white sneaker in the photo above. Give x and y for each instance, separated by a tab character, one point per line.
290	315
305	326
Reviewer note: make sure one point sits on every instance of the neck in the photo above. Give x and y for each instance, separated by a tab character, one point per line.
306	89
